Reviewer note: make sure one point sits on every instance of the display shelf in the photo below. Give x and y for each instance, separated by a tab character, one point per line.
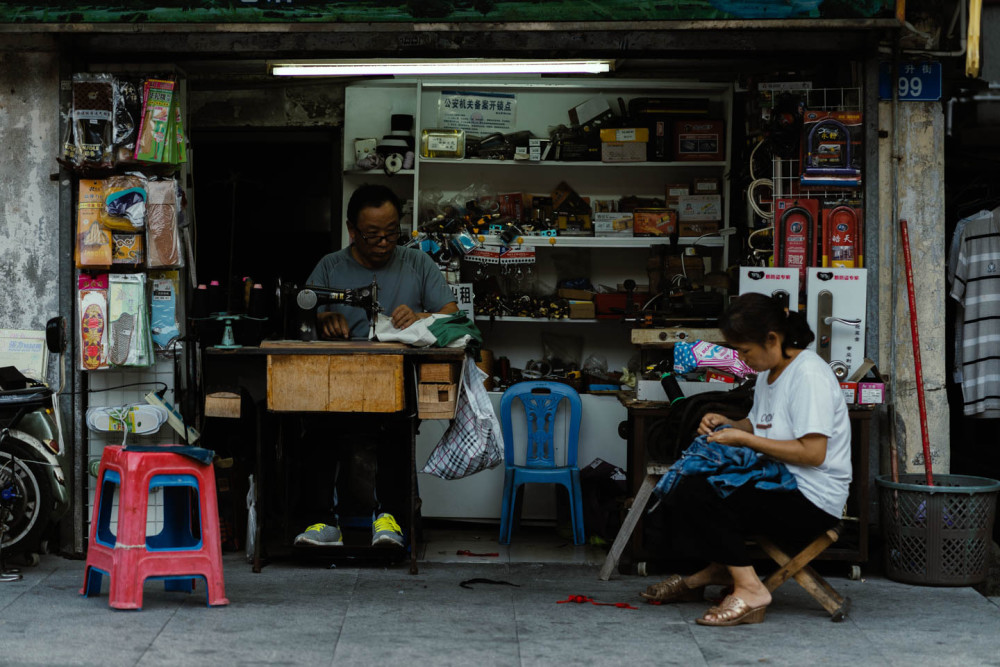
541	320
538	105
378	172
714	241
562	163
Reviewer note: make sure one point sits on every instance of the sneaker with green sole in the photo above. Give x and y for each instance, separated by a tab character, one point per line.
386	532
320	535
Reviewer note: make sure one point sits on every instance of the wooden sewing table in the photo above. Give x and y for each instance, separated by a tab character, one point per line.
297	377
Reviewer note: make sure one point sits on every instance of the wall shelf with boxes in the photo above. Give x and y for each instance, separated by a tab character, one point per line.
663	174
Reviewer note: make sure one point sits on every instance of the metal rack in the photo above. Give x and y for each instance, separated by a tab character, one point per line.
785	174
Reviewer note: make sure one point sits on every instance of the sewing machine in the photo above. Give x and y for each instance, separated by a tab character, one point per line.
310	297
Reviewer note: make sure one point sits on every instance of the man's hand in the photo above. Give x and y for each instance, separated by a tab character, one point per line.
332	325
404	316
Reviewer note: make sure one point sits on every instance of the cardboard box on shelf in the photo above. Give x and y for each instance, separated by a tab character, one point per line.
623	151
698	228
612	306
582	310
612	224
850	390
871	384
654	222
700	208
575	294
511	205
706	186
674	191
621	134
699	140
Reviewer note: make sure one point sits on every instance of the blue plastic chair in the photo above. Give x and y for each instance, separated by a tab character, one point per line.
541	400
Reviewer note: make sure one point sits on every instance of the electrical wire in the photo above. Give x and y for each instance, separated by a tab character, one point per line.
163	389
757	182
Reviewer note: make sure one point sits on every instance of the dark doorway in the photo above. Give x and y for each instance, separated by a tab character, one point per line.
267	204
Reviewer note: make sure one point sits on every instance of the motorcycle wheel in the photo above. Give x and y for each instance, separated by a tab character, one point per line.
25	498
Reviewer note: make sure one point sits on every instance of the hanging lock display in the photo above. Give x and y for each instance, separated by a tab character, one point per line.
797	227
842	236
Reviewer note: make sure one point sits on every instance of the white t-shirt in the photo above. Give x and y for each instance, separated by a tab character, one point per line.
806	398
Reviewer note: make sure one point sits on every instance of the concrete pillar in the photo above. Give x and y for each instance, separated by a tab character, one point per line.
29	199
919	183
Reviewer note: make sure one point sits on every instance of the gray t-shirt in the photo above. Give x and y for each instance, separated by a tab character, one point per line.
409	277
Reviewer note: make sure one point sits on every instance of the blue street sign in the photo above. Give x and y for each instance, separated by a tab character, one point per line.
917	81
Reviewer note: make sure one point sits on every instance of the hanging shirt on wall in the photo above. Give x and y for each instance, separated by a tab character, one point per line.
953	249
976	287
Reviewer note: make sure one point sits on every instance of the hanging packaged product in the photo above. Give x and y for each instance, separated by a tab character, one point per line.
128	340
157	102
176	150
165	328
798	242
124	200
93	241
836	305
843	224
128	107
140	418
163	245
831	149
127	249
91	139
92	303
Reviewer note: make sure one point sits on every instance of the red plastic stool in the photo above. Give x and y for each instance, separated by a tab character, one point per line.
188	546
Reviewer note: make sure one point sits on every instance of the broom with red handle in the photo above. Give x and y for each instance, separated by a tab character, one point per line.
918	371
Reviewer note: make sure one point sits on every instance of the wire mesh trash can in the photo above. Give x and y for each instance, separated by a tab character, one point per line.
937	535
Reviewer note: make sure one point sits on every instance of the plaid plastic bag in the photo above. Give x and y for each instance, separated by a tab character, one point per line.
473	441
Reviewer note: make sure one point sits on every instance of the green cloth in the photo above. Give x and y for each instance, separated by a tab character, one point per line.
453	327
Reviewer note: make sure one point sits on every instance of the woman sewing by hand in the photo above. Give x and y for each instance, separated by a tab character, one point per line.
798	418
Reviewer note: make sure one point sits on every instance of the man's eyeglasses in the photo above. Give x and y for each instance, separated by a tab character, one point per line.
376	239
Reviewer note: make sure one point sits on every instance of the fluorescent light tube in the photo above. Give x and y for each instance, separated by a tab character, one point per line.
426	67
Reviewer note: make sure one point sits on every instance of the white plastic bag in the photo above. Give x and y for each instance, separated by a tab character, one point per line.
473	441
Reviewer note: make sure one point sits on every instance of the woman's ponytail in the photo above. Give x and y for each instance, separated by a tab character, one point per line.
751	316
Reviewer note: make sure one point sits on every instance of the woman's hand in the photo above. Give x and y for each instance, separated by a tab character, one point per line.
732	437
710	422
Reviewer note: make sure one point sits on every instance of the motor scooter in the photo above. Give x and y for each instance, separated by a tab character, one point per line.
34	460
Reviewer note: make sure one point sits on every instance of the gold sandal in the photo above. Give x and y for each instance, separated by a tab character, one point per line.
673	589
732	611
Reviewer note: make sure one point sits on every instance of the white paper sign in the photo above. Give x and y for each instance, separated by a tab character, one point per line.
25	350
477	113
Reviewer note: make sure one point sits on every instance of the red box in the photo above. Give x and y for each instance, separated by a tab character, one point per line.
654	222
713	375
612	306
850	390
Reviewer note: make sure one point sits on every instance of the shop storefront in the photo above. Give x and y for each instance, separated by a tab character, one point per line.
722	140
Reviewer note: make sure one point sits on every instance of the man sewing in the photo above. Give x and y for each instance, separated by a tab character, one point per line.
411	287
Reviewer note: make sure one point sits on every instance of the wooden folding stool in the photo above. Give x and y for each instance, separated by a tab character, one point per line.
797	567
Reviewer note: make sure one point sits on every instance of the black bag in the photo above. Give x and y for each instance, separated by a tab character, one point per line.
672	434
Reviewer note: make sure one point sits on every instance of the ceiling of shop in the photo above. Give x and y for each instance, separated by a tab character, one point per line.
242	52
